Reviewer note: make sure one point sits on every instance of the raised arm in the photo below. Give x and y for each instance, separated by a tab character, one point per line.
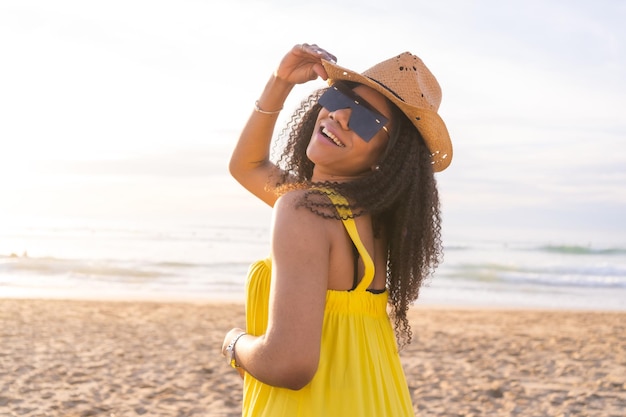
250	162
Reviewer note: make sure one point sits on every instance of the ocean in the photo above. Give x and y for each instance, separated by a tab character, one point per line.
208	261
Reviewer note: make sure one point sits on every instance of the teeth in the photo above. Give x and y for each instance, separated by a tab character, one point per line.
332	137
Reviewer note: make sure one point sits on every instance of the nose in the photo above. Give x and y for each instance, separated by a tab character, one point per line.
341	116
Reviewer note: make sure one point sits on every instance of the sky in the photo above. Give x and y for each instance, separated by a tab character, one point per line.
129	109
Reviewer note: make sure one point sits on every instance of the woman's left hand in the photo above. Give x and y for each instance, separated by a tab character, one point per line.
229	338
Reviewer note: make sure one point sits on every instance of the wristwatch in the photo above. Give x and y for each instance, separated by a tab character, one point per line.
230	351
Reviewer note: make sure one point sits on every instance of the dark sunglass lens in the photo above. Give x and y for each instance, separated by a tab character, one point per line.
363	121
333	99
363	125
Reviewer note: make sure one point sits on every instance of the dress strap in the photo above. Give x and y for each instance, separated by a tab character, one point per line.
343	208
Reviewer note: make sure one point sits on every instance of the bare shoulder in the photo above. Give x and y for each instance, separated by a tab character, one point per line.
291	198
291	213
315	197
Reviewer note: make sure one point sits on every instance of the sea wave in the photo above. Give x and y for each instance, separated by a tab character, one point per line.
119	270
529	247
581	250
599	276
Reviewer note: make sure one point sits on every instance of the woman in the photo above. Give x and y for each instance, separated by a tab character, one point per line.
356	225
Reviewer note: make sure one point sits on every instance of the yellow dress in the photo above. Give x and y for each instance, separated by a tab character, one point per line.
359	372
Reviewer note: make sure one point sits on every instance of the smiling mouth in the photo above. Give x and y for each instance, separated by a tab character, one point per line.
332	137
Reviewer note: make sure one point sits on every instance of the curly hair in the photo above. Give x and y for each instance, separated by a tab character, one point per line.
401	196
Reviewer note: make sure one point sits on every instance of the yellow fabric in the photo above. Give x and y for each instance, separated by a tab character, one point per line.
359	373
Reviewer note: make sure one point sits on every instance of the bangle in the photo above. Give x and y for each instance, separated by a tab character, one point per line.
230	351
260	110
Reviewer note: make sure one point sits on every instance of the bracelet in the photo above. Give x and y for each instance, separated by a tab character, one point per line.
230	351
260	110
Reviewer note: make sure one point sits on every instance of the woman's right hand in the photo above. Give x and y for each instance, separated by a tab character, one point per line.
250	162
303	63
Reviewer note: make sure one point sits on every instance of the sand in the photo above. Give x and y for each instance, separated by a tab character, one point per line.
92	358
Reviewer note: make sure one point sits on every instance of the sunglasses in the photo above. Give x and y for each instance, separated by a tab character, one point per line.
364	120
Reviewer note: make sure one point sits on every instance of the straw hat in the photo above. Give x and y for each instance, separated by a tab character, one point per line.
407	83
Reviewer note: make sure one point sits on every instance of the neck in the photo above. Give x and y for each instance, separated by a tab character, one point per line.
321	176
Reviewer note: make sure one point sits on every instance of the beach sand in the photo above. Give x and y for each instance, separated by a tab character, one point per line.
92	358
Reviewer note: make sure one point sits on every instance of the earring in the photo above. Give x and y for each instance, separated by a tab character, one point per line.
376	168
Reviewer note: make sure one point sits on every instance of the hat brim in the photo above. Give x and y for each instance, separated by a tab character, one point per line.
428	123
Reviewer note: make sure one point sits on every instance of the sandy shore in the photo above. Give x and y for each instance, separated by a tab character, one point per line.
83	358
